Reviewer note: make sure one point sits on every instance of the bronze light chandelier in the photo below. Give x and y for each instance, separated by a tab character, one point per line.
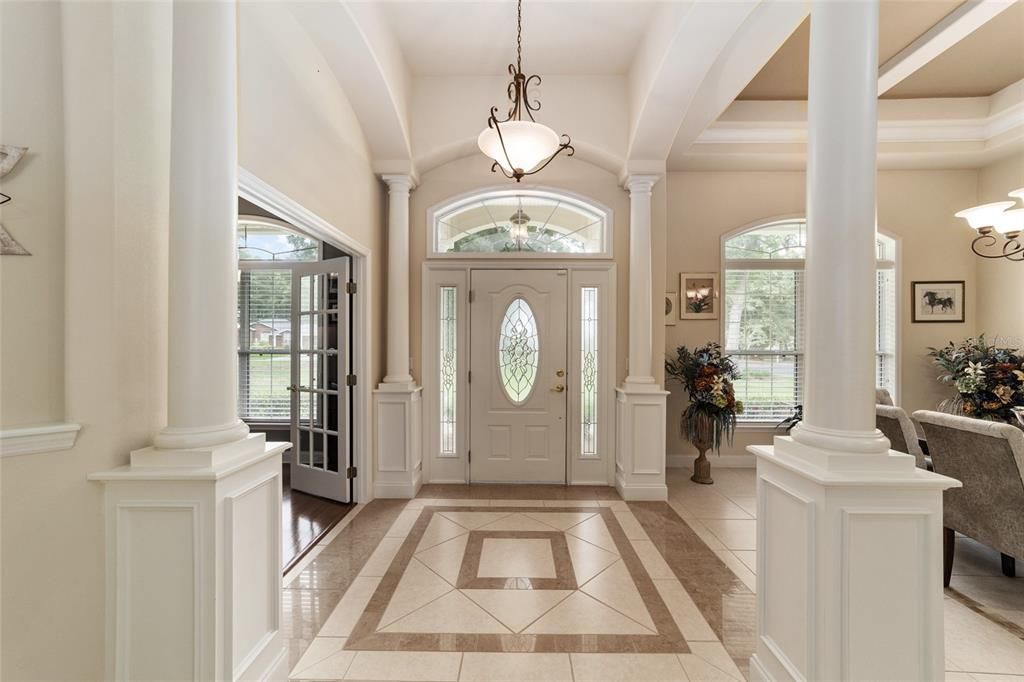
520	147
995	217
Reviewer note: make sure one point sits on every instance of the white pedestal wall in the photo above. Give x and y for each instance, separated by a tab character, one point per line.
640	443
194	564
849	567
398	441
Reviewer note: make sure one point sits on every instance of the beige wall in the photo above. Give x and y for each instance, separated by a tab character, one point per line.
1001	282
915	206
473	172
116	122
105	214
298	132
32	287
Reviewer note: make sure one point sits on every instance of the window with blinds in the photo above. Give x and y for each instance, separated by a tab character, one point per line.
763	317
264	345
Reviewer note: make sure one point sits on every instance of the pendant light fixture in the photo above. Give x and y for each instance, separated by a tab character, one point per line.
520	147
1002	218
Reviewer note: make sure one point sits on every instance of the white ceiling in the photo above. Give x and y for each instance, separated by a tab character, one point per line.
478	38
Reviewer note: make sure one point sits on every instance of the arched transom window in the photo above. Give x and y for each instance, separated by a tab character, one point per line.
763	316
520	223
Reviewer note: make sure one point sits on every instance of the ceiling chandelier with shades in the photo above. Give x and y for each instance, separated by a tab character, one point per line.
999	217
519	146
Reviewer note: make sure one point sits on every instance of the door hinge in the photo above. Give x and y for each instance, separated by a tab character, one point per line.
472	295
350	380
351	472
350	287
469	377
469	455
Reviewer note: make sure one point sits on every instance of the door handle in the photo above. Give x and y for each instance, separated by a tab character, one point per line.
559	388
293	388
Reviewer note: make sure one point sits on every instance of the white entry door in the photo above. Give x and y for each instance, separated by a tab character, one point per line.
518	376
322	379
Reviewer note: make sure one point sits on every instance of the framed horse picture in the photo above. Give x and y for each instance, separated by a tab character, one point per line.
937	301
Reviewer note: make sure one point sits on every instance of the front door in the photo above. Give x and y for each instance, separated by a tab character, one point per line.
321	388
518	376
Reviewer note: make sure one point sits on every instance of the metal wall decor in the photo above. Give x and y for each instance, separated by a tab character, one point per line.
521	147
9	158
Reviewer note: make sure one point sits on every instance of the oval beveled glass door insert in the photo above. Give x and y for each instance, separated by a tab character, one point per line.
518	351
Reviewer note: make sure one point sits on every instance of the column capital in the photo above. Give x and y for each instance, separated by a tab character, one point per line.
399	182
640	183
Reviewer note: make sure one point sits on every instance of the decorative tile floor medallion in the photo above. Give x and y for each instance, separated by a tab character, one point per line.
519	578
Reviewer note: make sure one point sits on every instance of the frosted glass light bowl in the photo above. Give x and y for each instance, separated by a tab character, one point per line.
528	144
984	215
1010	222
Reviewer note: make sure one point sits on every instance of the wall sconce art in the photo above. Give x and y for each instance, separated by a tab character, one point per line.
9	158
699	296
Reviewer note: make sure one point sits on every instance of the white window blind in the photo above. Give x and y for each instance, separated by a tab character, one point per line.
763	321
264	345
763	333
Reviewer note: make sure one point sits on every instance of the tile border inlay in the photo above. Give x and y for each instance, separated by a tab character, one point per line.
668	639
565	577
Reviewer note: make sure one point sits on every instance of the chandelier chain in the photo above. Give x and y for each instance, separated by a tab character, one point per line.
519	37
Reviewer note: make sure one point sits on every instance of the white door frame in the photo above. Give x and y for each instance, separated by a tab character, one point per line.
438	468
252	189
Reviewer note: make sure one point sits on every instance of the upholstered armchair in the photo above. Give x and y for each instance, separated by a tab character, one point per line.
897	427
988	458
883	397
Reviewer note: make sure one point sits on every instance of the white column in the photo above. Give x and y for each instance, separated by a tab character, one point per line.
641	404
849	564
399	187
397	408
841	156
193	525
640	290
202	400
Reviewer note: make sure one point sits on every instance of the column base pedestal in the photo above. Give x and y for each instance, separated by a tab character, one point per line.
398	416
194	563
849	566
640	442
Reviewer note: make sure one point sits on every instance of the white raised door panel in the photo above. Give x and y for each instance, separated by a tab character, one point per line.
519	379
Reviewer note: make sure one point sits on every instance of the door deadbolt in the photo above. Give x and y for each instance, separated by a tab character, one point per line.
560	373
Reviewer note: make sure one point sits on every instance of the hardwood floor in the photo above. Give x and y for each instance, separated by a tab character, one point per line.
304	520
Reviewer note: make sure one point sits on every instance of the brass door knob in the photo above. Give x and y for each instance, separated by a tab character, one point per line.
558	388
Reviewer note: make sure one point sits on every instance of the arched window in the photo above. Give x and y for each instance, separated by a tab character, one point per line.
520	223
763	316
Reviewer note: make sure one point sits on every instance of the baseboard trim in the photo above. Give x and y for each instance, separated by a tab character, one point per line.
725	461
404	490
641	493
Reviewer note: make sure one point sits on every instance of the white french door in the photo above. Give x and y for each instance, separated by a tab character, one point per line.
322	379
519	380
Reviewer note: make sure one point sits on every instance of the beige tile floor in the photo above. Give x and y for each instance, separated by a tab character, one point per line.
976	647
603	552
426	599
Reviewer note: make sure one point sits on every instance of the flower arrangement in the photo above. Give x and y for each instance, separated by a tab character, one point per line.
989	380
707	376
